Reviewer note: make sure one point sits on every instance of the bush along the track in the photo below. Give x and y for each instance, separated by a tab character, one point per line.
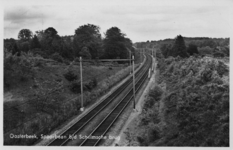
48	111
105	85
194	108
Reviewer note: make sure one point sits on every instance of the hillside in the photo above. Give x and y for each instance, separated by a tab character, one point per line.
41	94
189	106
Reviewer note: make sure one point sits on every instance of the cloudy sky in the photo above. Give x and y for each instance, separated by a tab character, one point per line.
140	20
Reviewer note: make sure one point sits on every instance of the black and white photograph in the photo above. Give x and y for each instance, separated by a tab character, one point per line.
116	73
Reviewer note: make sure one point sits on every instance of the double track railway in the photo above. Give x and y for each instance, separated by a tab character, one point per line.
96	136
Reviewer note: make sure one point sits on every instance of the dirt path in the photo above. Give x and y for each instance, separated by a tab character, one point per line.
131	124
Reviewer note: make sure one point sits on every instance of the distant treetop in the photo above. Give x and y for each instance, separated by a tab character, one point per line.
25	34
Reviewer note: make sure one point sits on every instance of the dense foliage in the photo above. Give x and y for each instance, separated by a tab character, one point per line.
194	107
116	45
86	42
88	36
17	69
203	46
192	49
216	47
25	34
52	96
179	48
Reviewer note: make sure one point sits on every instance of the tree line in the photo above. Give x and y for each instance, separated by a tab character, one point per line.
187	46
86	42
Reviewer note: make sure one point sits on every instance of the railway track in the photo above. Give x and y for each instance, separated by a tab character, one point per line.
99	132
107	121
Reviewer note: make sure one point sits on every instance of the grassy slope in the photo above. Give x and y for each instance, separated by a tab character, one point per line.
190	107
45	110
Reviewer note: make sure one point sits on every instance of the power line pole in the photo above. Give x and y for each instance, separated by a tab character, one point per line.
81	80
134	103
130	61
152	52
152	68
141	55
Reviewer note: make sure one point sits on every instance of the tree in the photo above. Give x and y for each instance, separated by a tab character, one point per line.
68	49
225	50
50	41
205	50
50	35
35	43
159	54
15	49
192	49
209	42
179	48
40	35
24	46
166	50
218	54
25	35
115	44
51	32
90	37
8	44
85	53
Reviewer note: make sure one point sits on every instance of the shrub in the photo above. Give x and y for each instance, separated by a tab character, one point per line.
67	62
205	50
53	109
38	51
85	53
57	57
17	68
91	84
70	76
192	49
195	108
154	96
38	64
156	93
221	68
218	54
75	87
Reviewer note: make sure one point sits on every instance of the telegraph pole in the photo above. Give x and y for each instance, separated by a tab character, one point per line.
152	68
141	55
130	61
81	80
134	101
152	52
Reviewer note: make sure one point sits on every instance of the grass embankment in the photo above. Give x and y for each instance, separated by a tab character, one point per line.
50	102
190	105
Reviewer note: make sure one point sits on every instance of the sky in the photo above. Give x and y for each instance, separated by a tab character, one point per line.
140	20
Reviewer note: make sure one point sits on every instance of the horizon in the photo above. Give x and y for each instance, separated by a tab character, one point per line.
150	40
